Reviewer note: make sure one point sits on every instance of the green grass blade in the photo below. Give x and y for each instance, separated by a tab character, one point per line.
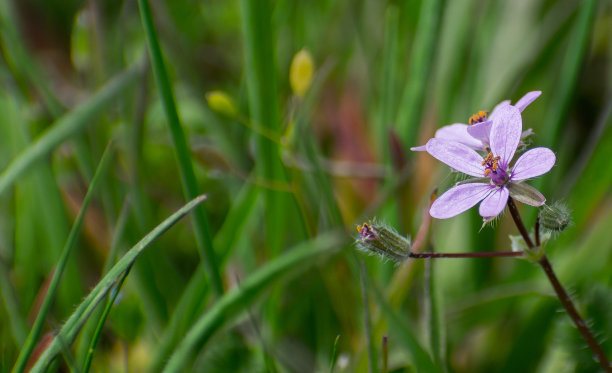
434	315
190	186
263	103
192	302
389	78
568	77
67	126
367	321
238	215
98	330
113	252
414	95
19	329
332	361
72	326
71	243
400	328
238	300
190	305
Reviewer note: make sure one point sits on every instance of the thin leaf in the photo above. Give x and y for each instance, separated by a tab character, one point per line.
70	329
188	179
71	243
238	300
67	126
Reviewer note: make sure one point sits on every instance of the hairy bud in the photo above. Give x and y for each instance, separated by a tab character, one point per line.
555	217
385	241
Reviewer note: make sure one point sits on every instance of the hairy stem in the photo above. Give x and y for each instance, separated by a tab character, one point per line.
565	300
602	359
519	222
487	254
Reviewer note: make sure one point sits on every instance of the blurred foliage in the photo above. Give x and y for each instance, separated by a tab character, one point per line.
285	158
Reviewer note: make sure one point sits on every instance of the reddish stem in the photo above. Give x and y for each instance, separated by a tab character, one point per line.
565	300
487	254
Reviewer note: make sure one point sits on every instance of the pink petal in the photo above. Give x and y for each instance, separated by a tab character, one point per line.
458	132
458	199
506	134
481	131
459	156
532	163
495	111
494	203
527	99
421	148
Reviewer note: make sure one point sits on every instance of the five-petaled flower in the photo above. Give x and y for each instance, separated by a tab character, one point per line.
476	135
495	178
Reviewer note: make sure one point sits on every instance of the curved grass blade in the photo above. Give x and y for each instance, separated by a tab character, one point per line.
70	329
98	331
238	300
71	243
188	179
113	252
67	126
193	299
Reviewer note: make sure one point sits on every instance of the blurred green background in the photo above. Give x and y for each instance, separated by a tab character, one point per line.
265	275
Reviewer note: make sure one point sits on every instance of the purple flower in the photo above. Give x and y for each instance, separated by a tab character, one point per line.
476	135
495	179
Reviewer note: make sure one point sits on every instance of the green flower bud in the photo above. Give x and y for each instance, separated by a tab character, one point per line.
555	217
301	72
385	241
221	102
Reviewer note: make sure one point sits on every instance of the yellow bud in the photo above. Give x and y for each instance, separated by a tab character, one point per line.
221	102
301	72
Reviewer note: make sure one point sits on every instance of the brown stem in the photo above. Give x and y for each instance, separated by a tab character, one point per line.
519	223
487	254
602	359
565	300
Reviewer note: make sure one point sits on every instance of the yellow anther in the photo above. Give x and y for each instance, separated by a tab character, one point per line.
487	159
480	116
362	227
494	164
487	172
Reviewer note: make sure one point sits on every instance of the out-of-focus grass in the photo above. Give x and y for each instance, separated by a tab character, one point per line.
282	170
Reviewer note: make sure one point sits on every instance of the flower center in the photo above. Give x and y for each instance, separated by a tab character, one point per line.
366	232
479	117
497	174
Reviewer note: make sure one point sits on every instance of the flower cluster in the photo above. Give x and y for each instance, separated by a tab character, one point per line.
485	149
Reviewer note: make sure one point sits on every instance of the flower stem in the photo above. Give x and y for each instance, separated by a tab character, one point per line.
519	222
565	300
602	359
487	254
